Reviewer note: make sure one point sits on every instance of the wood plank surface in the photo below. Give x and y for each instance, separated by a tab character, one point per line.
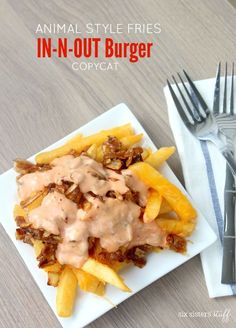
42	101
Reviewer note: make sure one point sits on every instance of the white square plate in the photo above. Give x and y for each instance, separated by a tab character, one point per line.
134	277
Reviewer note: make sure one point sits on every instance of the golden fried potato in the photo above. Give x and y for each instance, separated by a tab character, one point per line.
177	227
89	283
165	207
146	152
177	200
98	139
100	291
129	141
92	151
66	292
53	279
118	266
157	158
47	157
56	268
104	273
19	211
74	139
36	202
38	246
99	156
153	206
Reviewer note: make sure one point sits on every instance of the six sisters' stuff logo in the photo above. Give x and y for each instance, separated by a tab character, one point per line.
94	48
223	315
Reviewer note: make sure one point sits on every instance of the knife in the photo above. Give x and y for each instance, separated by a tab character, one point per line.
228	268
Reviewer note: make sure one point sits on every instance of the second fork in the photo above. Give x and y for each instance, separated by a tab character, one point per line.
201	123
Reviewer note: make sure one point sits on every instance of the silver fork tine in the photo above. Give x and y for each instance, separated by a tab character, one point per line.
225	91
178	105
207	128
232	92
184	100
197	94
190	98
216	104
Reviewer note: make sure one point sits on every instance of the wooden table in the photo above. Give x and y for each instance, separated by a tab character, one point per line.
42	101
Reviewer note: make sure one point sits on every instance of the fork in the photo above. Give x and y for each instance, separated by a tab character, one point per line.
228	127
200	121
226	121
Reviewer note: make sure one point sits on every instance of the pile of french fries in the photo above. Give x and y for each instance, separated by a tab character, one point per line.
164	199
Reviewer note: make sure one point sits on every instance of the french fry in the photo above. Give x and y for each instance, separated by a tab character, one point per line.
56	268
129	141
89	283
97	139
47	157
153	206
157	158
38	246
176	227
104	273
99	156
165	207
92	151
74	139
34	198
100	291
118	131
146	152
66	292
177	200
36	202
53	279
118	266
19	211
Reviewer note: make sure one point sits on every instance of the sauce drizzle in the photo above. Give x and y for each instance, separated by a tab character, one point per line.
116	222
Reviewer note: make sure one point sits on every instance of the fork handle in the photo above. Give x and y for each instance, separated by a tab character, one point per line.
230	160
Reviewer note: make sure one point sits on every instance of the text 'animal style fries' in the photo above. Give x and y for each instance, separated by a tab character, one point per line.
94	205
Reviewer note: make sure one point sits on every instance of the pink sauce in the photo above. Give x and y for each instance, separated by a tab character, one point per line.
136	185
115	222
82	170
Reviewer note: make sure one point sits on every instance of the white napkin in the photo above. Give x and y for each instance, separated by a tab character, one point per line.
204	174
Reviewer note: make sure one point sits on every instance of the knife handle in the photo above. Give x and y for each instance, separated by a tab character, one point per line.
228	275
228	268
229	213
